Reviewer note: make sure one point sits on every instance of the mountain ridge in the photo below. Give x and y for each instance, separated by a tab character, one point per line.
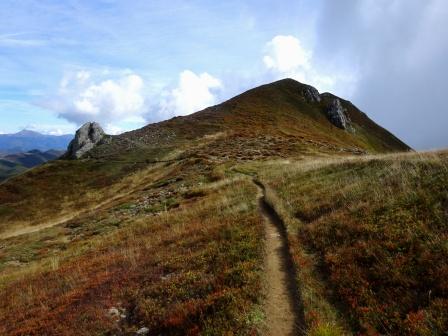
27	140
279	109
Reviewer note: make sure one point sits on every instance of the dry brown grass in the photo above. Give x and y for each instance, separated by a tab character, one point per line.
57	201
194	268
369	238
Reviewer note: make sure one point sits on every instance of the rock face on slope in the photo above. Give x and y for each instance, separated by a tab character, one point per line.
336	114
311	94
86	138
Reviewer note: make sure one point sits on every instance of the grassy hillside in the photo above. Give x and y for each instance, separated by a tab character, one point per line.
33	158
180	248
183	264
9	169
15	164
369	235
272	121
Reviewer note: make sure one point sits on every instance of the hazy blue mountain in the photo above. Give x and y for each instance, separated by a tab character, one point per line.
26	140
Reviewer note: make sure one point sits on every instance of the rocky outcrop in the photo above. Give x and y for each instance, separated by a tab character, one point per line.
86	138
311	94
337	115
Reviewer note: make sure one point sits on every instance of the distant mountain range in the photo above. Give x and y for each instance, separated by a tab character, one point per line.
32	158
26	140
27	149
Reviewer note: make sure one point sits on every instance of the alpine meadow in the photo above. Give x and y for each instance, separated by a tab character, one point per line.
260	200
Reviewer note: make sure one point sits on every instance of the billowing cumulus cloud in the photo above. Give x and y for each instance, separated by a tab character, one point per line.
83	96
120	100
286	56
192	93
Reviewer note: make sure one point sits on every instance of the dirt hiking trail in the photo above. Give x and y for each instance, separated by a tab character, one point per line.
284	312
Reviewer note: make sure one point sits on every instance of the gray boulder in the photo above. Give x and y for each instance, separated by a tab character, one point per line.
86	138
337	115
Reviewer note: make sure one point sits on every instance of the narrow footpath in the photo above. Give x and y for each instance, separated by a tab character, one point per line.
284	313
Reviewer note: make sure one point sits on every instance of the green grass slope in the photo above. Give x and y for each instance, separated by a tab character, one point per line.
33	158
15	164
9	169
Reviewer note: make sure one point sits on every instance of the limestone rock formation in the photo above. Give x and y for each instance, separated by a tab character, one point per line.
311	94
86	138
336	114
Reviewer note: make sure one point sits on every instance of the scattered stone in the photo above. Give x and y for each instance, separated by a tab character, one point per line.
336	114
86	138
113	312
117	313
167	277
142	331
311	94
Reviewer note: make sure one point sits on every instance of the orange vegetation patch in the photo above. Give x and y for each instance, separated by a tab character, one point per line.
182	272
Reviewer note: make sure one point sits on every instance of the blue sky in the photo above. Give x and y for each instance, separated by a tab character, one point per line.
128	63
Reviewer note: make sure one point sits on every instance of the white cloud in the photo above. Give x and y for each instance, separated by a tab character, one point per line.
118	101
103	97
26	40
52	129
15	40
286	56
193	93
113	130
